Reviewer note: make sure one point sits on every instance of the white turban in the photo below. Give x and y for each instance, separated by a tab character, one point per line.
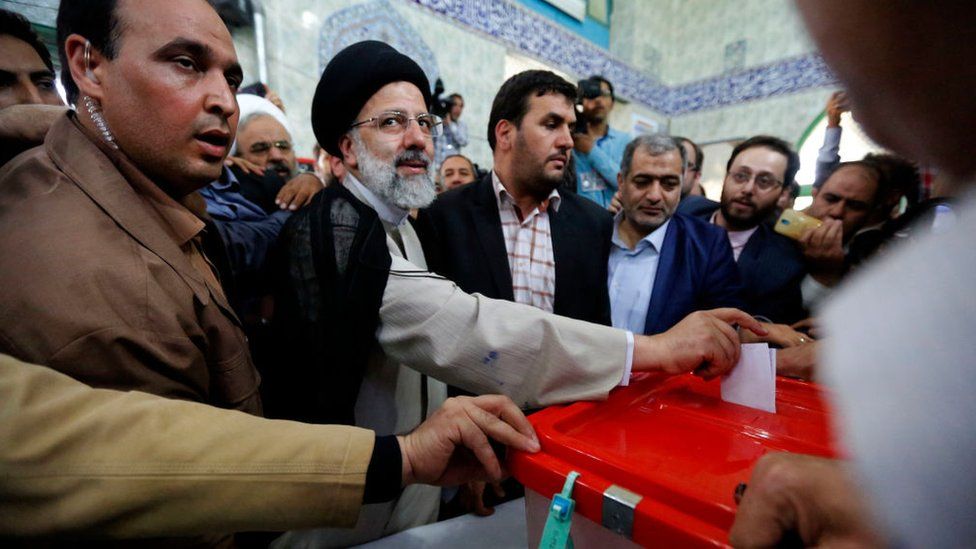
252	104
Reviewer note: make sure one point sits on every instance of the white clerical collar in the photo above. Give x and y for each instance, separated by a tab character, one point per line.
394	215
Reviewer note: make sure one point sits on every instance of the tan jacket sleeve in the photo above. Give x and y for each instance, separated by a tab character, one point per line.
76	460
491	346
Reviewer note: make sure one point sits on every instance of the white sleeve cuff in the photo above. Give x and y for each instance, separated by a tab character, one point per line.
813	292
629	361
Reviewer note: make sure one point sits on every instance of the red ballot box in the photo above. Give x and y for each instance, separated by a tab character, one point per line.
659	461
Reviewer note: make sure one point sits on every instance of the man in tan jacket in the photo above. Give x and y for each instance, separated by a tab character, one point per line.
102	275
103	463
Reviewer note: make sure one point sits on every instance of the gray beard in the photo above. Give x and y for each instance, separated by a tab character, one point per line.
414	191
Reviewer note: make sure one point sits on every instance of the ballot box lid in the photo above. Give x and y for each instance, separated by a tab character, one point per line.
659	461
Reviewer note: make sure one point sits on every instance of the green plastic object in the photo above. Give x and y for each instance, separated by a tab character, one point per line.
555	535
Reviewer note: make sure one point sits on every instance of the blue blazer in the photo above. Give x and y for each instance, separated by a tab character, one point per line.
771	267
696	271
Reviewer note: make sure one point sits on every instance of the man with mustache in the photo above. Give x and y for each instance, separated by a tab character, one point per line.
760	170
102	274
264	140
663	265
370	337
853	194
456	170
263	158
512	235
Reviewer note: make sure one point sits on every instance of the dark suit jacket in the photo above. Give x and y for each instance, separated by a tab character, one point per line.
462	237
695	272
771	267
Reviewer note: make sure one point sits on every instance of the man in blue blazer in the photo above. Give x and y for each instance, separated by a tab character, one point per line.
771	266
663	266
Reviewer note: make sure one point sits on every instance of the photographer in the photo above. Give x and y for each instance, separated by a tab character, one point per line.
598	148
455	132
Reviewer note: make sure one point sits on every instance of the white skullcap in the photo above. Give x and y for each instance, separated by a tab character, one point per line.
252	104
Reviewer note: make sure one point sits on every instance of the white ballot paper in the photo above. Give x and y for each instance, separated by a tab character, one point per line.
752	382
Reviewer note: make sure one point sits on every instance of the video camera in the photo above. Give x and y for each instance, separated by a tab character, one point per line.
588	89
440	105
585	89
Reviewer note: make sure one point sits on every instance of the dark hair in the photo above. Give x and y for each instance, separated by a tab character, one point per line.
875	170
512	101
98	22
901	174
14	24
259	89
599	78
776	144
699	155
654	145
474	171
454	96
794	190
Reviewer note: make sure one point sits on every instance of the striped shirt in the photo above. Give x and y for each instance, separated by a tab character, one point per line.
529	245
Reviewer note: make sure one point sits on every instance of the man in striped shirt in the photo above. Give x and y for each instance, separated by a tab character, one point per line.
512	235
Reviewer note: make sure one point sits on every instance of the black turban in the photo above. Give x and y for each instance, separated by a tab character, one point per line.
350	79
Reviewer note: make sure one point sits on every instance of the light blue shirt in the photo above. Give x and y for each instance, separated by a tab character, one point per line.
630	277
596	171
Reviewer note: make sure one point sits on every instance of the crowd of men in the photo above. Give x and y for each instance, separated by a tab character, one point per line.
161	237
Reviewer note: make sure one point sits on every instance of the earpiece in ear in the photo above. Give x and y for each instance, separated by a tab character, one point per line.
88	72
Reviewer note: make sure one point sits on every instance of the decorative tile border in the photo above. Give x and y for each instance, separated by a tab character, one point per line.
528	32
374	21
779	78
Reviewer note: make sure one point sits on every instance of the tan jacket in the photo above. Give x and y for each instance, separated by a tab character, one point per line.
493	346
81	461
100	278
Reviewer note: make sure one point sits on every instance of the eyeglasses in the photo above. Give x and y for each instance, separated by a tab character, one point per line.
262	147
763	180
395	123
